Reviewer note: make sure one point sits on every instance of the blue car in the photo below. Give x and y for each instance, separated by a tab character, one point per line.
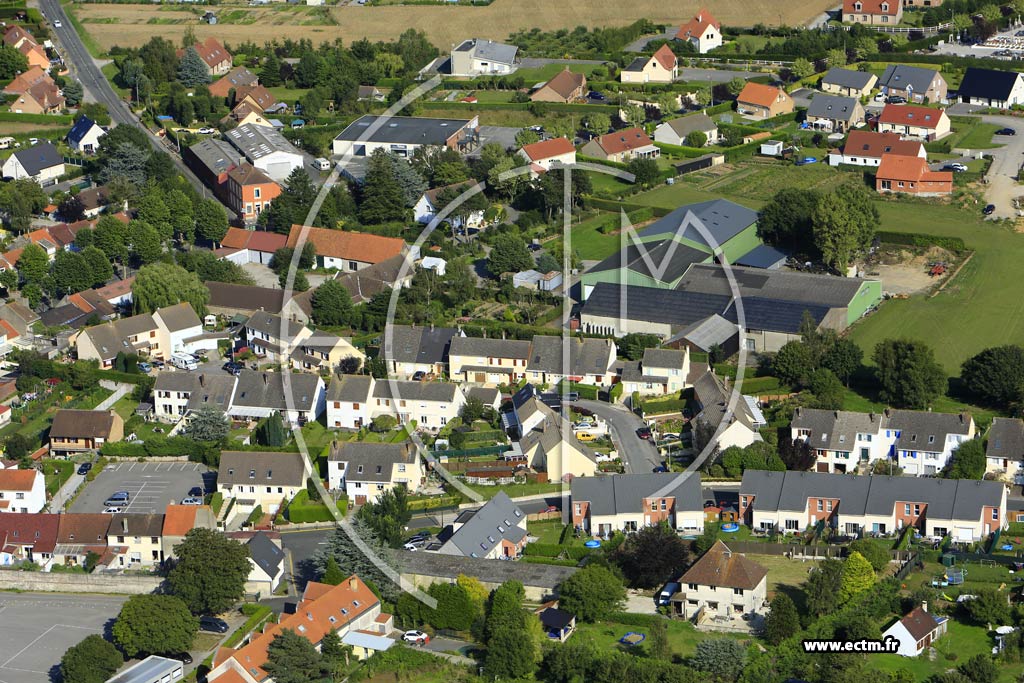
594	95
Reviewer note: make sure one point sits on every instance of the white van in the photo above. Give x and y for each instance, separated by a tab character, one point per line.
184	361
670	589
6	142
322	164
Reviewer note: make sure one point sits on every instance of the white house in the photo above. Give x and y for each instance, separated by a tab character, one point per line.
266	149
273	337
182	329
354	400
723	583
865	148
661	67
917	631
266	561
431	202
297	396
261	478
1004	453
42	163
366	470
22	490
659	372
85	135
477	56
438	265
704	32
674	132
496	531
604	504
547	153
402	135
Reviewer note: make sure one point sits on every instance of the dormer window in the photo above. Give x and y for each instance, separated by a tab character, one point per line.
885	7
858	6
355	603
252	474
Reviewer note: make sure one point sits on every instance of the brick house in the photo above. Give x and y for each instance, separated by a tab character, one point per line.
250	191
763	101
912	176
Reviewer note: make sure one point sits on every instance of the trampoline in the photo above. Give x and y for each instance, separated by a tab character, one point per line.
955	576
632	638
730	527
593	544
1006	546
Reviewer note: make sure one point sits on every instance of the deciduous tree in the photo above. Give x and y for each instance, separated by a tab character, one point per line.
592	593
210	572
332	304
509	254
651	554
968	461
291	658
164	284
858	576
908	374
996	375
154	623
93	660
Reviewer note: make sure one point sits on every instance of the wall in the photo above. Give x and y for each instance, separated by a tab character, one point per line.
79	583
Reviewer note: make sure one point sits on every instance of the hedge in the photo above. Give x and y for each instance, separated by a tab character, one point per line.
680	151
434	503
548	560
922	240
616	392
66	119
161	446
126	377
543	549
256	616
586	391
523	106
742	151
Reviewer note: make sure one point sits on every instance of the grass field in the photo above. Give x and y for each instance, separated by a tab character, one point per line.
55	473
130	25
682	636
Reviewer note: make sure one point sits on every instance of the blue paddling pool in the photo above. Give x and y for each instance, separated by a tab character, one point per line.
632	638
593	544
730	527
1006	547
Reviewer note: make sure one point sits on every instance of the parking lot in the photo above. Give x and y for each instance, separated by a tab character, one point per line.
151	485
36	629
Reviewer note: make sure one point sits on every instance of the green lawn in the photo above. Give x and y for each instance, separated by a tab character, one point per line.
110	70
517	490
979	136
682	636
546	72
960	644
125	407
56	472
547	532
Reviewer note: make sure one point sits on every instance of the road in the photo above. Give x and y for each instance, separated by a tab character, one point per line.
1006	161
92	79
638	455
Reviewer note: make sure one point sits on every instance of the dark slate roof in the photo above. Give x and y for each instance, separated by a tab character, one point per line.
900	76
491	348
624	493
762	256
722	219
668	258
586	356
673	307
38	157
265	467
836	429
544	576
411	344
274	325
987	83
412	130
847	78
498	519
349	388
917	426
245	297
826	290
371	461
1006	439
833	107
359	388
265	553
79	130
775	315
685	125
266	390
554	618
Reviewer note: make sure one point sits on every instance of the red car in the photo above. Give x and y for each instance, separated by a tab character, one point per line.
551	508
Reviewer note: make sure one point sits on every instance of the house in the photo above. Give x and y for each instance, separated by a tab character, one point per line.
724	418
991	88
917	631
94	201
486	361
253	246
262	479
258	98
85	135
675	132
272	337
567	86
621	146
847	82
430	204
363	470
412	349
967	509
22	491
181	519
78	535
266	149
703	31
135	540
661	67
181	330
835	113
605	504
763	101
873	12
239	77
480	57
915	122
841	439
28	537
344	250
210	160
178	394
323	352
660	372
297	397
369	93
866	148
21	83
218	60
41	162
43	97
402	135
362	285
537	431
21	40
20	317
925	441
916	84
266	561
250	191
547	153
349	609
590	360
83	431
911	175
534	279
136	334
722	583
496	531
354	400
1004	454
228	300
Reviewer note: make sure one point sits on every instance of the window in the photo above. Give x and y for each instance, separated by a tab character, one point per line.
995	514
828	505
821	505
906	508
353	265
664	504
654	505
737	591
256	193
931	438
792	524
691	586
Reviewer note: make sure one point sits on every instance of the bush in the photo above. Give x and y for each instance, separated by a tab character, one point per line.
922	240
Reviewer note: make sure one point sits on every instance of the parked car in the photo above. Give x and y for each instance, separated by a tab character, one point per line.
145	367
183	657
595	95
191	501
117	498
206	130
644	433
897	99
419	376
159	364
585	436
112	510
1006	131
659	469
233	367
989	210
84	468
212	624
880	97
195	492
955	167
418	637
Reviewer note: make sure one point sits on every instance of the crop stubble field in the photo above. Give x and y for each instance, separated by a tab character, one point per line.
133	25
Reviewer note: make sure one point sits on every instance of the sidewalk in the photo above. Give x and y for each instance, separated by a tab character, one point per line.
66	492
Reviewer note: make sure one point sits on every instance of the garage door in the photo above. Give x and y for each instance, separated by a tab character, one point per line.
279	171
963	533
687	524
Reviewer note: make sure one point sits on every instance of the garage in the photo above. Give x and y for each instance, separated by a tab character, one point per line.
963	534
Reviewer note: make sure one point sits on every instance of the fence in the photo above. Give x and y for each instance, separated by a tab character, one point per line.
923	30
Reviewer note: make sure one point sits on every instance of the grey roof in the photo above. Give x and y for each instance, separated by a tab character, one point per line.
258	141
486	394
586	356
203	388
707	332
245	297
775	315
762	256
39	157
836	430
350	388
265	553
112	337
917	427
679	258
719	217
637	64
178	317
490	347
651	304
218	156
1006	439
544	576
713	395
901	76
411	344
261	468
991	84
834	107
947	499
663	358
274	325
371	461
847	78
440	392
625	493
825	290
685	125
489	50
403	130
81	128
498	519
152	668
266	390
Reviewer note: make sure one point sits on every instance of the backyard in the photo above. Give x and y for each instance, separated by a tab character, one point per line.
682	636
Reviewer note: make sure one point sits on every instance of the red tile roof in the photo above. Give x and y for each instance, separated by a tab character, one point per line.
25	80
38	530
18	480
868	143
212	52
909	115
117	288
759	94
180	519
695	27
666	57
623	140
919	623
8	330
871	7
548	148
257	240
915	169
342	244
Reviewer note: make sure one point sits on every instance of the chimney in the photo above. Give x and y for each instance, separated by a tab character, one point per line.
353	584
266	380
124	524
924	605
202	380
871	418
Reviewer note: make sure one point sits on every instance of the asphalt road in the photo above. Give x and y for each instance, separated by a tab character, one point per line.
638	455
92	79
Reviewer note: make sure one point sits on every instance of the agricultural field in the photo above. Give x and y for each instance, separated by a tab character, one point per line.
133	25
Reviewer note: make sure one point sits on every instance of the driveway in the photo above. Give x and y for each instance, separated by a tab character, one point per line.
714	75
1006	162
640	44
638	455
501	135
151	485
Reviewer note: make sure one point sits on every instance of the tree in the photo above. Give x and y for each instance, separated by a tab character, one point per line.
73	93
908	374
126	161
332	575
996	375
12	63
968	461
146	246
510	654
872	552
645	171
20	200
990	607
801	68
382	197
291	658
858	576
827	389
720	656
210	572
388	516
787	219
271	431
165	284
843	358
151	208
735	86
70	272
633	114
408	179
836	57
333	652
650	555
111	237
192	69
154	623
592	593
182	215
93	660
526	136
834	233
332	304
783	620
793	363
822	587
33	264
477	592
696	138
17	446
597	123
270	74
980	668
212	220
455	609
208	423
657	641
509	254
71	209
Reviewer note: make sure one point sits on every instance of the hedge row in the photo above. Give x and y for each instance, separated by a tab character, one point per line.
126	377
548	560
680	151
524	106
586	391
922	240
161	446
434	503
66	119
742	151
